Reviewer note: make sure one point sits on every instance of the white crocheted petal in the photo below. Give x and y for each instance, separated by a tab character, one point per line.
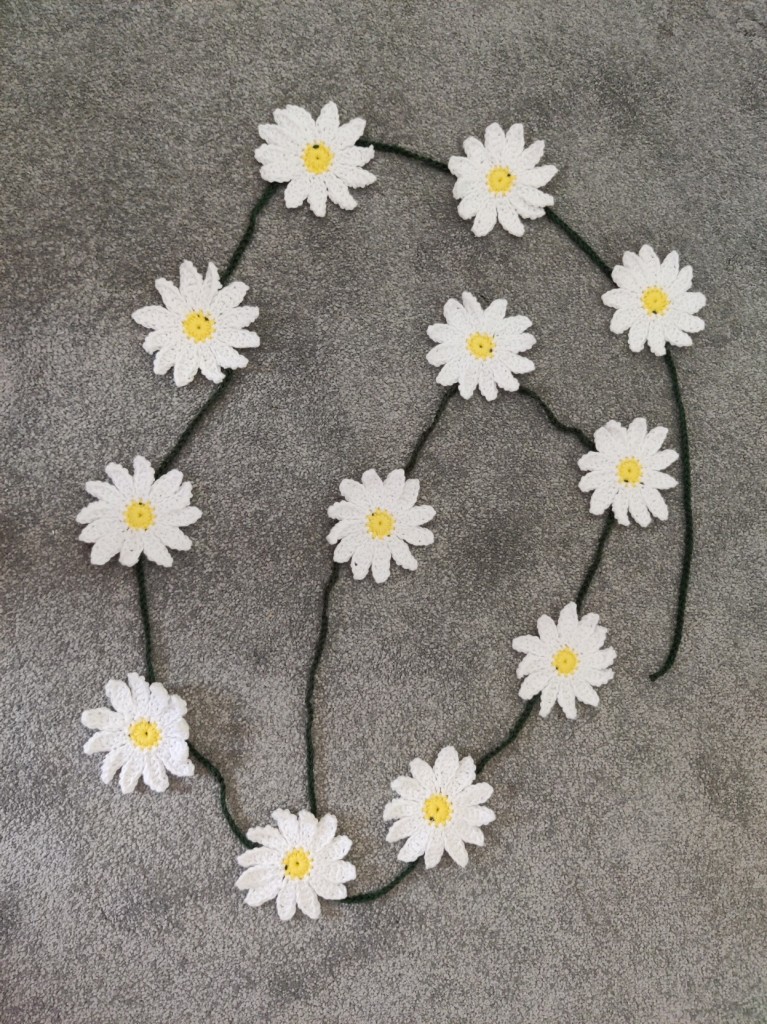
566	700
268	836
402	555
446	764
415	846
638	507
547	630
348	134
339	194
155	318
472	796
336	849
131	772
171	296
154	549
585	693
660	481
410	788
113	762
423	774
306	899
140	693
418	536
355	177
485	219
326	889
528	645
120	697
102	718
509	218
548	698
338	871
435	847
103	741
154	774
638	335
286	901
287	823
656	503
380	563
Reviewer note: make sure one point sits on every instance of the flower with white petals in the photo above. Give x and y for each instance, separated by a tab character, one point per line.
480	348
377	522
625	472
653	301
500	180
137	514
318	159
297	862
438	809
200	327
144	736
566	662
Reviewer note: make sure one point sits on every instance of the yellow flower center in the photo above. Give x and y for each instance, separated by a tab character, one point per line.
317	157
139	515
629	471
481	346
655	301
500	180
297	863
199	326
381	523
437	810
145	734
565	661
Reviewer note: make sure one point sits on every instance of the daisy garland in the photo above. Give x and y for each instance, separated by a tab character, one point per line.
201	327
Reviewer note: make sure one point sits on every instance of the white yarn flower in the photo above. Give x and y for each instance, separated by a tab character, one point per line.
438	809
653	301
200	327
137	514
317	159
625	472
144	736
377	522
499	181
480	348
297	862
565	662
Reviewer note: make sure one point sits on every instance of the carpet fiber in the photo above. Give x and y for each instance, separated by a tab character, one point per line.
624	879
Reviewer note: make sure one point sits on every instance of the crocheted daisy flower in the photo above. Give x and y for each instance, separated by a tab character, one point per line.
438	809
480	348
137	515
499	181
318	159
653	301
565	662
200	327
144	736
625	472
297	862
377	522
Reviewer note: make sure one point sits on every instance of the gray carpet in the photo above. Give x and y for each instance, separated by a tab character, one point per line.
624	880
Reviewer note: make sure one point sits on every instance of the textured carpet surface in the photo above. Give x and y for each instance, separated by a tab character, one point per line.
624	880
